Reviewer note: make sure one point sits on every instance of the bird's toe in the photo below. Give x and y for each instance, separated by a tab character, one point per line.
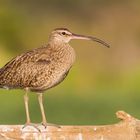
50	124
32	125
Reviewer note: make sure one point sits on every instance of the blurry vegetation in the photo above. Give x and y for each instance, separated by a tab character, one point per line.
102	80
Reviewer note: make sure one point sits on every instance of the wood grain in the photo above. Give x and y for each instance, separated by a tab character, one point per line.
127	129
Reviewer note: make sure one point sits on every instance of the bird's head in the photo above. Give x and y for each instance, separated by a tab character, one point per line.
64	35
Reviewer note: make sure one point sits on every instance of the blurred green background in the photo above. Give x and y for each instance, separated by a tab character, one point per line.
101	82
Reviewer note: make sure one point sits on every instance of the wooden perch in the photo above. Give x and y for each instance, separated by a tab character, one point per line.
127	129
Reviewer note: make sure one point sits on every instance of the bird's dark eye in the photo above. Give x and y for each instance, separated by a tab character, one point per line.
63	33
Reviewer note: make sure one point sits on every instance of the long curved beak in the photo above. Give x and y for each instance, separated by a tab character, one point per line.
76	36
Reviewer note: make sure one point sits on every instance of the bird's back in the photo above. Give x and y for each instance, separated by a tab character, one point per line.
38	69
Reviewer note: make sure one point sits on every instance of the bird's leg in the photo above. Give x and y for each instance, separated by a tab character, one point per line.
44	121
26	101
28	120
40	100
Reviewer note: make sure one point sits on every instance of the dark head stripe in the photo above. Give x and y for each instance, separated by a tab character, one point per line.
62	29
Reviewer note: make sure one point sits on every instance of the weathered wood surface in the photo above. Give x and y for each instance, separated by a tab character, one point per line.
127	129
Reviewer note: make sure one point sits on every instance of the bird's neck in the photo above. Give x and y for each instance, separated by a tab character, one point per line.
57	44
65	51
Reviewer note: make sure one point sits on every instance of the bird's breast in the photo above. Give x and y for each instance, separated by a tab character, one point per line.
63	61
64	57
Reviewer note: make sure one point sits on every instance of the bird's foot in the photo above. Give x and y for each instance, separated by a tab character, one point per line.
31	124
44	124
49	124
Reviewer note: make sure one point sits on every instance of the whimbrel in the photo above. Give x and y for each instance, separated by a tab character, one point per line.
42	68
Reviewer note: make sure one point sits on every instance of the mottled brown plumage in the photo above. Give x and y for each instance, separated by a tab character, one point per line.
38	69
42	68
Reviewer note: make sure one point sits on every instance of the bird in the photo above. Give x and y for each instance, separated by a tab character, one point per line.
42	68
